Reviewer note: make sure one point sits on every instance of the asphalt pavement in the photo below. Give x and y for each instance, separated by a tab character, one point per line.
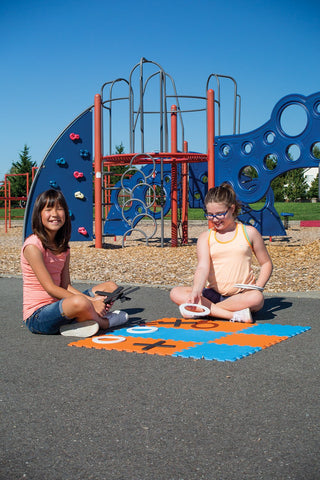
78	414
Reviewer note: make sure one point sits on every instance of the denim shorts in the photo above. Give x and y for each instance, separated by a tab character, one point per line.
48	319
212	295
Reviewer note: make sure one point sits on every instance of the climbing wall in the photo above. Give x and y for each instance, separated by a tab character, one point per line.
68	167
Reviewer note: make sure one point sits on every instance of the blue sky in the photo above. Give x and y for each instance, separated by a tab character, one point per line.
55	55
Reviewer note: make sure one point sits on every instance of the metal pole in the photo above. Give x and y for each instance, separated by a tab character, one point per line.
174	179
210	133
185	202
97	169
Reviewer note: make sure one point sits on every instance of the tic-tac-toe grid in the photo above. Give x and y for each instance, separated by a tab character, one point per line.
201	339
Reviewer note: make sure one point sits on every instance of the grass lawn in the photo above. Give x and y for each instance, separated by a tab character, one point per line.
301	211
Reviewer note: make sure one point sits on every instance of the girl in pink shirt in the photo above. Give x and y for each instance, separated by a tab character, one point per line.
50	303
224	263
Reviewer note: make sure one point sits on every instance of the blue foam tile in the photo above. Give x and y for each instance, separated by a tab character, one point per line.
177	334
271	329
222	353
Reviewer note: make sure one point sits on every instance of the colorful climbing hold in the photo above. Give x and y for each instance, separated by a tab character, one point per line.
79	195
60	161
82	230
74	136
84	153
77	174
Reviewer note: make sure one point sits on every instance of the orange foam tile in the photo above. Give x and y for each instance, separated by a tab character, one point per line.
130	345
249	340
207	325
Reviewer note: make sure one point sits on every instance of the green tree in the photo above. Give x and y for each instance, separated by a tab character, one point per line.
24	165
277	186
295	185
316	150
117	171
313	191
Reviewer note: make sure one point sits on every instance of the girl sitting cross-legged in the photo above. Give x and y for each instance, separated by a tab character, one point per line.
50	303
224	280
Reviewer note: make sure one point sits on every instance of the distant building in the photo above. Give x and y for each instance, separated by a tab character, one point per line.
310	174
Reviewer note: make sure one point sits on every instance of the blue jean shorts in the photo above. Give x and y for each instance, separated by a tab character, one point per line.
48	319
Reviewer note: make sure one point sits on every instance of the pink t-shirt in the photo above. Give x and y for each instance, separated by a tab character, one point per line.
34	295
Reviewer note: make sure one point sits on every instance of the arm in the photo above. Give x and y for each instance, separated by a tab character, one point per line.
262	255
35	259
97	301
203	267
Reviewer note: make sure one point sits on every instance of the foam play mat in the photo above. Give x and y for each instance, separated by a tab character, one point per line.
198	339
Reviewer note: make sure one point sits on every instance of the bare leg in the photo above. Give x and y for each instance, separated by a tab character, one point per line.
105	287
225	309
81	309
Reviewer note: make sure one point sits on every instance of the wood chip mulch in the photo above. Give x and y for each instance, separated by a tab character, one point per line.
296	260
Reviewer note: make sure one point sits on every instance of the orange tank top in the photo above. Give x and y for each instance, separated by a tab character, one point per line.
230	262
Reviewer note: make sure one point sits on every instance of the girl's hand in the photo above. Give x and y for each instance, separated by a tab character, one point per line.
100	307
194	297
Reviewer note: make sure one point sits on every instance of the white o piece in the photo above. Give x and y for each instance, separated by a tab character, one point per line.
106	339
193	310
142	329
246	286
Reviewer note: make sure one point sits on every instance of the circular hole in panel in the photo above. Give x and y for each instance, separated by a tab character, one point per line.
246	177
204	179
316	108
293	120
270	161
293	152
269	137
315	150
247	147
225	150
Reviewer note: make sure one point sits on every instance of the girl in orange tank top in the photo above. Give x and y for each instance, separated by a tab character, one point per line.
224	280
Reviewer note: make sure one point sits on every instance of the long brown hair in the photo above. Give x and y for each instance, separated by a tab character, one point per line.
50	198
223	194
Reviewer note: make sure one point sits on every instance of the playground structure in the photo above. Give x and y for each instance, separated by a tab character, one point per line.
154	183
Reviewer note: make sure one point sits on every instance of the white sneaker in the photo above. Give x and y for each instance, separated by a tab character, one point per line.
242	316
116	318
80	329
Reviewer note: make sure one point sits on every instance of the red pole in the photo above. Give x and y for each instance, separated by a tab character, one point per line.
97	170
5	203
9	190
174	179
27	185
185	197
210	135
210	131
